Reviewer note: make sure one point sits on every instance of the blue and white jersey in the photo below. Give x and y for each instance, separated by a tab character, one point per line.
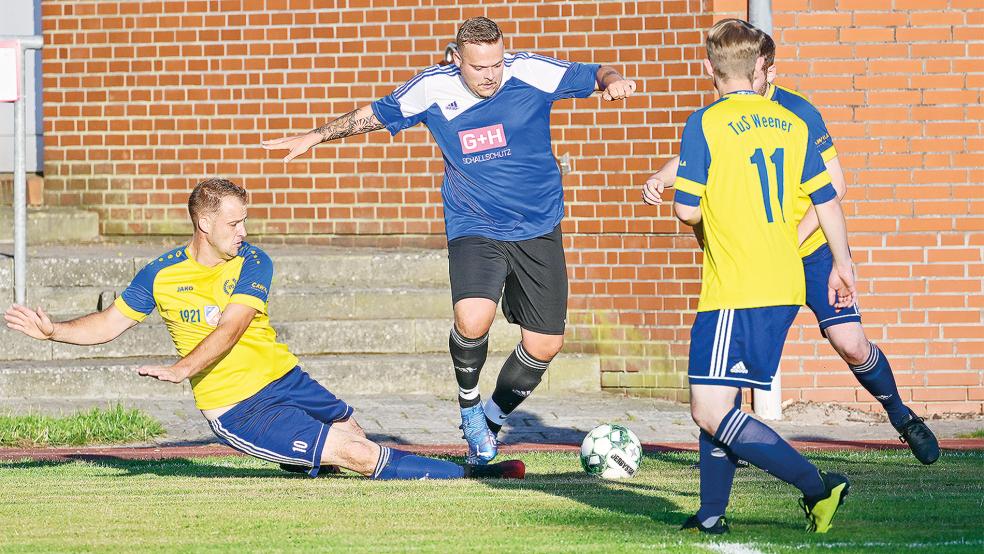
501	180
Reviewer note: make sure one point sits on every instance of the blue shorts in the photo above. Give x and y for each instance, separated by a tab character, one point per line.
739	348
285	422
817	267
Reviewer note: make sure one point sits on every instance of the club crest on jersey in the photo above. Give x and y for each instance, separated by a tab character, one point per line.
229	286
483	138
212	315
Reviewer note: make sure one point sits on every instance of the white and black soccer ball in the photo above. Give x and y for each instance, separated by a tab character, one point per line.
611	451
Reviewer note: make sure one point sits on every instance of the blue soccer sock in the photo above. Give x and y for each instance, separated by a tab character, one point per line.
875	375
755	442
399	464
717	473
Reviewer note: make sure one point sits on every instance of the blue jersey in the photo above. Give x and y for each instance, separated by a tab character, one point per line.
501	179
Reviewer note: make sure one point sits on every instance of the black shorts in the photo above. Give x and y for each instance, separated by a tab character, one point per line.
533	273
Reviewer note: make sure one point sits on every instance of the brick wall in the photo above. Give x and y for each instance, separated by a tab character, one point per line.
144	98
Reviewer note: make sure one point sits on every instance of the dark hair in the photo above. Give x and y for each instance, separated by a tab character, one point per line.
208	195
478	30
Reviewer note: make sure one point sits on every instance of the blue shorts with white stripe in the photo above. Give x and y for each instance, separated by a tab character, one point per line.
285	422
739	348
817	268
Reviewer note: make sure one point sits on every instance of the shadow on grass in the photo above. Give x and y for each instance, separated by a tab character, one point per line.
171	467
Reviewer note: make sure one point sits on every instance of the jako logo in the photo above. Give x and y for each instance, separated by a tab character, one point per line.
484	138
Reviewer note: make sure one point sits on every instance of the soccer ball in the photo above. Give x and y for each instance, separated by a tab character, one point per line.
611	452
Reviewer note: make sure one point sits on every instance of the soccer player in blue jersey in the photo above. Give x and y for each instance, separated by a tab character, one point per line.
841	328
489	112
744	160
212	295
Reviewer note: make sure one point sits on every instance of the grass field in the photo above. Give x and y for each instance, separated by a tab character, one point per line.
237	503
110	425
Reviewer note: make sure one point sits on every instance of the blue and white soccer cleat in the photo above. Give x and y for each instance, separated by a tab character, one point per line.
482	446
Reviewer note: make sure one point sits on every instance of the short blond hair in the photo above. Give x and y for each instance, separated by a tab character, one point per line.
733	46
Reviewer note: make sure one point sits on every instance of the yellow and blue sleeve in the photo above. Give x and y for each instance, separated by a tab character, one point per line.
816	180
695	160
255	277
137	300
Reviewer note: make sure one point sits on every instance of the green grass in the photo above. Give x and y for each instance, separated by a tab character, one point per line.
239	504
978	434
97	426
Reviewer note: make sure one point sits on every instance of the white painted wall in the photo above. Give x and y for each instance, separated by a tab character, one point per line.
22	17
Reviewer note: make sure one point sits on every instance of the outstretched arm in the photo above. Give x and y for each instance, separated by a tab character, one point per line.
356	122
652	191
809	224
233	323
615	86
95	328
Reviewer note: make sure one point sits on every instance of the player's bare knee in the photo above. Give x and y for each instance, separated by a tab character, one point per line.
544	348
472	326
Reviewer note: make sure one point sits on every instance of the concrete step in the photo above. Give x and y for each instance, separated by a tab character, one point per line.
297	303
369	336
110	267
115	379
52	225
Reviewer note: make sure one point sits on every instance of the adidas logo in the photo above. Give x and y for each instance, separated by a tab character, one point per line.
523	393
738	368
884	396
452	106
466	369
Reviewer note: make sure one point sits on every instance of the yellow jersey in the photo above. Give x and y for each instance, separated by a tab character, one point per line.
745	160
819	137
191	298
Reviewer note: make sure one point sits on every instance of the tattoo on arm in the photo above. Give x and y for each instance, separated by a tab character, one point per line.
604	73
348	125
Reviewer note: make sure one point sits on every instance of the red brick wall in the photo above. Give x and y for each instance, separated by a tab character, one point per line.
144	98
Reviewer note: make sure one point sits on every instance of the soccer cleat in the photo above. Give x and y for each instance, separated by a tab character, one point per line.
482	446
820	510
720	526
509	469
921	441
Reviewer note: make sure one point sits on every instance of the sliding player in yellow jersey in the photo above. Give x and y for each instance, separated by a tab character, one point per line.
842	328
744	161
212	295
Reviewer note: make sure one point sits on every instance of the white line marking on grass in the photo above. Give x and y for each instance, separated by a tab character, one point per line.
732	548
868	544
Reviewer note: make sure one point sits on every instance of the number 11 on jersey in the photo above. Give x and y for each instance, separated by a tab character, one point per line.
758	158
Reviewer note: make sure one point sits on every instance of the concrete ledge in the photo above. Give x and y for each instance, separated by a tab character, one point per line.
115	379
53	225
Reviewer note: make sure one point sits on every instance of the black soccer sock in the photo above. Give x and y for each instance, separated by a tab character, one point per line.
468	356
519	376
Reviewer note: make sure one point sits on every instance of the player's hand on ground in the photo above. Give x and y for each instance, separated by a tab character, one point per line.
652	191
33	323
297	144
170	374
841	290
619	90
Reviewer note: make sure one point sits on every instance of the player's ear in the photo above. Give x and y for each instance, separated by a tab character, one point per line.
456	55
205	224
770	74
708	68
